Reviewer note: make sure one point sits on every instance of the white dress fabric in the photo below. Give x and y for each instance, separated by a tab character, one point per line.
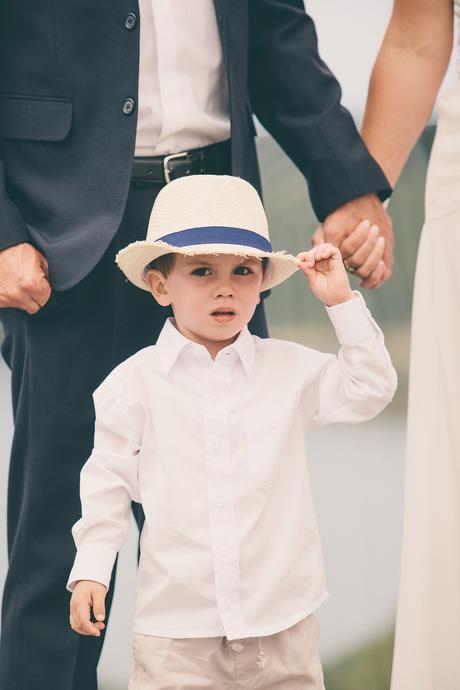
427	644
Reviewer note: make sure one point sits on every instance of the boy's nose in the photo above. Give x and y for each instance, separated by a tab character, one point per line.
224	290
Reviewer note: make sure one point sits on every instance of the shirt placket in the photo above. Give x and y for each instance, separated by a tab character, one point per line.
225	552
169	75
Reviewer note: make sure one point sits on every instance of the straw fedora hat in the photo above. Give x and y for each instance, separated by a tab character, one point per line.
206	214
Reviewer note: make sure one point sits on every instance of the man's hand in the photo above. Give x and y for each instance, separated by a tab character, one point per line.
326	275
23	278
87	595
364	254
341	224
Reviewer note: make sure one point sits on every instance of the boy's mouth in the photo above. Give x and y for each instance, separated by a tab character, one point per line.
223	314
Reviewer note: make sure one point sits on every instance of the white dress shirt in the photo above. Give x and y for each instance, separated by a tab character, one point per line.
183	91
214	451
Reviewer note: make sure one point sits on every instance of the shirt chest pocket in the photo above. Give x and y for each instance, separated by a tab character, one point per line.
268	432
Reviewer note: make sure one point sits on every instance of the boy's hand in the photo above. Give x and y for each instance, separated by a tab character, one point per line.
87	594
326	275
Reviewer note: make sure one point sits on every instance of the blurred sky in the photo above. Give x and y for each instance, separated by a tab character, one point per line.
350	33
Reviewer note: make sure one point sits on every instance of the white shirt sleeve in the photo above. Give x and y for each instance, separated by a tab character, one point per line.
108	484
360	381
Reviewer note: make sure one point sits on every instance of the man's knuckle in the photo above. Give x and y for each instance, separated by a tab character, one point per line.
14	293
27	285
23	280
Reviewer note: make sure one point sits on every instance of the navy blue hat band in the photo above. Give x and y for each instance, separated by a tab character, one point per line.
217	234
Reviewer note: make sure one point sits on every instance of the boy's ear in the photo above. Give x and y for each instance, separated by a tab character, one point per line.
157	286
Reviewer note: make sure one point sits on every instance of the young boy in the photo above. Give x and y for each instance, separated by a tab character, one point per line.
206	430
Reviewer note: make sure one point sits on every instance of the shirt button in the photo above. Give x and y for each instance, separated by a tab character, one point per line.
216	447
225	551
131	21
219	501
128	106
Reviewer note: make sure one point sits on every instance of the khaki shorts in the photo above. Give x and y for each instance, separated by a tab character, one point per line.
287	659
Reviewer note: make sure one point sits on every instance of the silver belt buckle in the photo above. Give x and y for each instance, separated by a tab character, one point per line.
166	160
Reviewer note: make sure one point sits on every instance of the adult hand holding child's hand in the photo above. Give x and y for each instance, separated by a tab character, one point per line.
88	595
366	245
326	275
23	278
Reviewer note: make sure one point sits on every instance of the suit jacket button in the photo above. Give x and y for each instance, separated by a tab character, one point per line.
131	21
128	106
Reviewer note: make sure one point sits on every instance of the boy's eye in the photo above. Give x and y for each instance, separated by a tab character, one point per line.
243	270
201	271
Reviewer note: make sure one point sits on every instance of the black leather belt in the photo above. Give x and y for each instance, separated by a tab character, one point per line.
214	159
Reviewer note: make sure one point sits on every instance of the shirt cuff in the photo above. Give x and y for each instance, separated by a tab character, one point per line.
352	320
93	562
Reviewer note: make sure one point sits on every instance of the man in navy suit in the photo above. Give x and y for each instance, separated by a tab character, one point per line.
101	104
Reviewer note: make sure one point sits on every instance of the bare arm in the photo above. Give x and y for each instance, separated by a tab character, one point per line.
404	83
405	80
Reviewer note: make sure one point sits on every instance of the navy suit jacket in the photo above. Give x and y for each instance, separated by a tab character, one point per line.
66	147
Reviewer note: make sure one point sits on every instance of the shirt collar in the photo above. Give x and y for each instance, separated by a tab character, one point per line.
245	347
171	342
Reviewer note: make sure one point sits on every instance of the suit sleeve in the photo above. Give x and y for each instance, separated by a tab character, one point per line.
13	229
297	99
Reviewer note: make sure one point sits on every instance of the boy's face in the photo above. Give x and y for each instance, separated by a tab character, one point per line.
213	296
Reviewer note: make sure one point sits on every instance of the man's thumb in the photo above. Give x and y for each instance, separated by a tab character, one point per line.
99	606
44	265
318	236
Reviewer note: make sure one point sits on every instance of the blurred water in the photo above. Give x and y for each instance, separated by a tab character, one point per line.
357	482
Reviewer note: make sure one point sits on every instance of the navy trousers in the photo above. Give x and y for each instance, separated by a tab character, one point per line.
57	358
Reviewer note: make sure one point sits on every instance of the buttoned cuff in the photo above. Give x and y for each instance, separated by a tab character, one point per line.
352	320
92	562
